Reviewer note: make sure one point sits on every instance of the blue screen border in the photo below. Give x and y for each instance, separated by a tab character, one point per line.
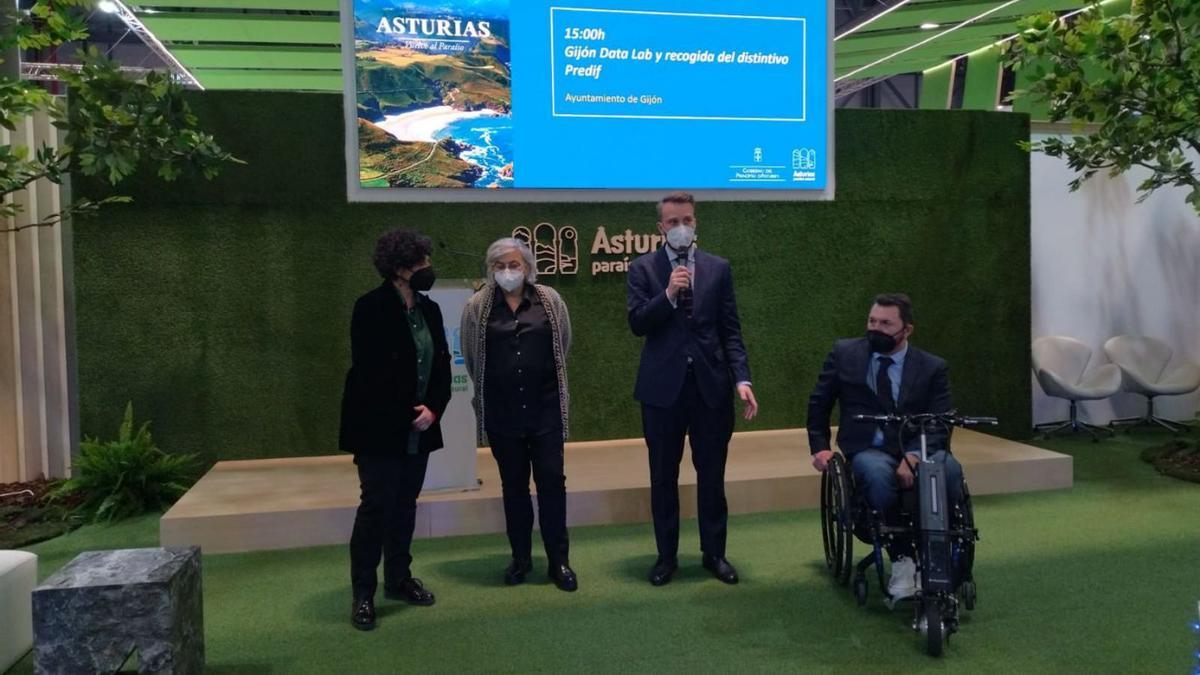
356	193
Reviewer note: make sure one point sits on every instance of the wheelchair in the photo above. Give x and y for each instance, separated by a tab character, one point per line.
944	537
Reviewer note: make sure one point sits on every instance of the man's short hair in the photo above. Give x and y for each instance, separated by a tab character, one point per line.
898	300
675	198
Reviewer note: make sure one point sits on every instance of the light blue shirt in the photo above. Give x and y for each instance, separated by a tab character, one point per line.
673	258
895	371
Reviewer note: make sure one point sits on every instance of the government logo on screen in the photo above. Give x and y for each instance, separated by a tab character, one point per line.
804	165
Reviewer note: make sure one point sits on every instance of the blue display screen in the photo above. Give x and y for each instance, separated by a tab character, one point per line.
591	94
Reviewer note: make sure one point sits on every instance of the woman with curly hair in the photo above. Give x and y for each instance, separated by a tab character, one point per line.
515	338
395	393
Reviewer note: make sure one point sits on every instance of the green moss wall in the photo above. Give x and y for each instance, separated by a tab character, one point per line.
221	309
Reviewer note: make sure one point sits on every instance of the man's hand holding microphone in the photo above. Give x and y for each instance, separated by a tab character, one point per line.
680	279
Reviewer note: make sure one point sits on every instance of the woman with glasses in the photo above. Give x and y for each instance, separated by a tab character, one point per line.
515	338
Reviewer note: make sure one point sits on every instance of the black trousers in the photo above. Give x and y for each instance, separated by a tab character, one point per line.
516	456
709	430
387	513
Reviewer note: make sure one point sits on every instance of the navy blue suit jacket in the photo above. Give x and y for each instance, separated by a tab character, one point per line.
924	388
712	337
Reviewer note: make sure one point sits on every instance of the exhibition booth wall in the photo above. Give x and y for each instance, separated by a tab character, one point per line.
1105	265
221	308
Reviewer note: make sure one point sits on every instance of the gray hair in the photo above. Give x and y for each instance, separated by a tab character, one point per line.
501	248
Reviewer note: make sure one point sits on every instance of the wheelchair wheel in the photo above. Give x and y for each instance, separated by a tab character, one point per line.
935	628
967	591
966	544
836	526
860	591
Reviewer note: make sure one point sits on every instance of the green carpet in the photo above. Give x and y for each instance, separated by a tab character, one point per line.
1100	578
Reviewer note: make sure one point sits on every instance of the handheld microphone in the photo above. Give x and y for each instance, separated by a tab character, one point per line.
681	257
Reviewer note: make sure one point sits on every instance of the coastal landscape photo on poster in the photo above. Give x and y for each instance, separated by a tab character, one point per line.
433	93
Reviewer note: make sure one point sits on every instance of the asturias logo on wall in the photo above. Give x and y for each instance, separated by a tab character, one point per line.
556	249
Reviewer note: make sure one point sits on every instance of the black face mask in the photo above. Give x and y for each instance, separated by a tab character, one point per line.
881	342
422	280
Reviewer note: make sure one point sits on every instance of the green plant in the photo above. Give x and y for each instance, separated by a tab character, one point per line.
128	476
1135	76
114	125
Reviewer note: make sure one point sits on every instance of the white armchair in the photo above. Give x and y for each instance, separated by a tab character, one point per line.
1060	364
1143	362
18	576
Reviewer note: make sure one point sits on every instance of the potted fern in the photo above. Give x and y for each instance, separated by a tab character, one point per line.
128	476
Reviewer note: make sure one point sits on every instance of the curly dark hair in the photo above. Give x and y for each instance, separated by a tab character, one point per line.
399	249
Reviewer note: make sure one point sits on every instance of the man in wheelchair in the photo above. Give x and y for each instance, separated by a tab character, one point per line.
879	374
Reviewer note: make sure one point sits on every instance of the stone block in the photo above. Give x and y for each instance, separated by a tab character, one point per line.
92	614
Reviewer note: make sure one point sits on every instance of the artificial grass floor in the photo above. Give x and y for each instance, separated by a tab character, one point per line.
1104	577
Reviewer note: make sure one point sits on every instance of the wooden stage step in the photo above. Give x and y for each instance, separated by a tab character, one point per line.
310	501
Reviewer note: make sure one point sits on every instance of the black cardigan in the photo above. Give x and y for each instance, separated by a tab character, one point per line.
381	386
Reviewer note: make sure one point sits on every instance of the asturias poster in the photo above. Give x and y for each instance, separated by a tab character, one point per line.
434	94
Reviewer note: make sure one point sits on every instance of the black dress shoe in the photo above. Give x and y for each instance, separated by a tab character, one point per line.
362	614
661	573
720	568
411	591
563	577
517	569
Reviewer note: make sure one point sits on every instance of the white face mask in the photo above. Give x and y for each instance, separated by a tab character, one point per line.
510	280
681	237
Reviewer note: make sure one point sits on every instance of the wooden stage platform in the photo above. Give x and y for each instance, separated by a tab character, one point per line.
310	501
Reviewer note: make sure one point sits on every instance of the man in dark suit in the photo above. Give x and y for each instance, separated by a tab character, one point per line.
681	300
873	375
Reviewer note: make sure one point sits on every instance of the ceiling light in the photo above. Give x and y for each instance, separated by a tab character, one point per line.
873	19
929	25
926	41
135	26
1012	37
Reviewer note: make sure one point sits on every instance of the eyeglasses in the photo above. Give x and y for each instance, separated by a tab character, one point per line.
500	266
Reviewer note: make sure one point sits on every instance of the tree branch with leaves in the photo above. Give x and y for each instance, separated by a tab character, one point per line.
114	125
1128	84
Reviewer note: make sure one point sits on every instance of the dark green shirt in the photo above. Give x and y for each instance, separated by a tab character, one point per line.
423	341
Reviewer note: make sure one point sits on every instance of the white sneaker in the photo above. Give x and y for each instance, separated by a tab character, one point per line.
903	583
